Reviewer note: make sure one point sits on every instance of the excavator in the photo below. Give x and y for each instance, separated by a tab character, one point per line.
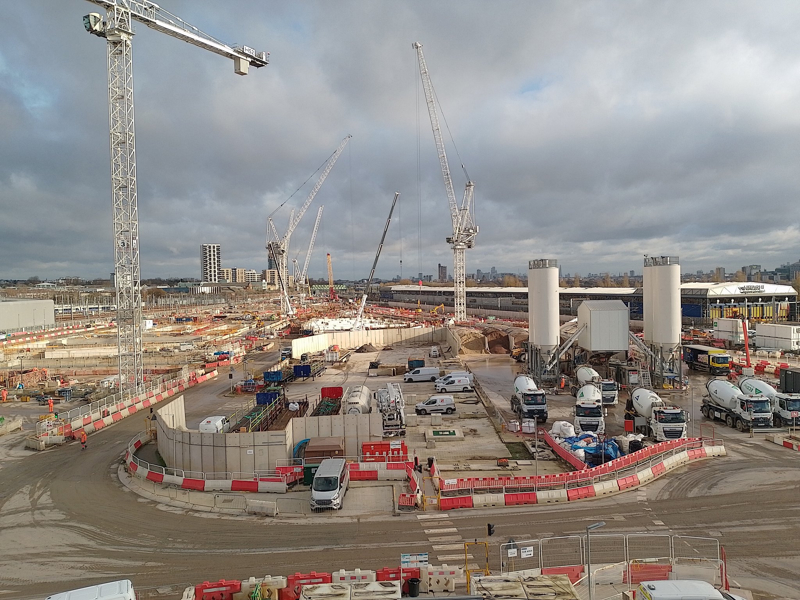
436	310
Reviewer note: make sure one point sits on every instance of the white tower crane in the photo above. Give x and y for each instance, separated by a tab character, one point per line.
117	28
301	281
464	227
279	247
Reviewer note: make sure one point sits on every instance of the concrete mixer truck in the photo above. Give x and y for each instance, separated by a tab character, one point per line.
609	389
589	412
528	401
655	418
785	407
726	402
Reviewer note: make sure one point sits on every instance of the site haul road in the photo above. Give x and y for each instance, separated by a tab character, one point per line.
66	519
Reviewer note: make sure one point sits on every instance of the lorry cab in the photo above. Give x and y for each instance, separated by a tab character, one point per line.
434	352
286	352
330	484
436	404
589	417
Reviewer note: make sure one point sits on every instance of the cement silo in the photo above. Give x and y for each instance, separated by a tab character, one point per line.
543	322
665	298
647	301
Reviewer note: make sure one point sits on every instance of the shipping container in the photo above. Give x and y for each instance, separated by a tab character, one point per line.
729	329
784	337
790	380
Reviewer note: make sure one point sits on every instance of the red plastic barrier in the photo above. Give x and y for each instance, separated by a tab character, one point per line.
298	580
697	453
406	500
193	484
580	493
640	573
156	477
574	573
363	475
658	469
628	482
239	485
521	498
455	502
218	590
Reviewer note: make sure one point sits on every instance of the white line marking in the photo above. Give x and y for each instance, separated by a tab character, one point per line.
441	547
443	530
445	538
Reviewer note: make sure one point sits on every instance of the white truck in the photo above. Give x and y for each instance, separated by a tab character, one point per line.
726	402
654	417
589	416
528	401
785	407
609	389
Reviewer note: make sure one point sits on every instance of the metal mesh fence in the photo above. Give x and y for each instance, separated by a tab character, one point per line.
562	551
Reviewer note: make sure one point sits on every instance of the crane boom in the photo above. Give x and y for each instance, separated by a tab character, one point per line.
117	29
464	227
359	317
281	244
162	20
311	245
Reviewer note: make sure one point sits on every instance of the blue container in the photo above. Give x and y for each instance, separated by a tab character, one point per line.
267	398
302	371
273	376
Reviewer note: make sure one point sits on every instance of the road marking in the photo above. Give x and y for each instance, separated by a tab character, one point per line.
445	538
657	522
440	547
456	557
434	516
443	530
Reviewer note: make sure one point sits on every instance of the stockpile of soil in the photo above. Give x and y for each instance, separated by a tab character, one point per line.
497	341
472	342
367	348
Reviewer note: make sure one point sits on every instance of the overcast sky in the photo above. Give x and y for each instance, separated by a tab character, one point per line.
595	133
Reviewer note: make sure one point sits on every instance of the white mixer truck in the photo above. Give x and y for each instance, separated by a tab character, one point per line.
589	415
785	407
528	401
654	417
726	402
609	389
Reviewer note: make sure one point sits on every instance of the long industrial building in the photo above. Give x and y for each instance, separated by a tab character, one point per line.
701	302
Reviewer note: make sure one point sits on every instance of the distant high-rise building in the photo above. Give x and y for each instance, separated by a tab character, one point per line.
442	272
226	275
252	276
272	252
719	273
210	262
493	273
270	276
238	275
631	274
420	277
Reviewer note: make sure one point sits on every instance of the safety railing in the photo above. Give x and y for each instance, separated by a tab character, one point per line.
615	470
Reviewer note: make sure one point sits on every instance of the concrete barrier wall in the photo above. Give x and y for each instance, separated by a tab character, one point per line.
377	337
257	451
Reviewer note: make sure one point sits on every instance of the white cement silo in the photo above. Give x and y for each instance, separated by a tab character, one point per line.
665	282
543	322
647	301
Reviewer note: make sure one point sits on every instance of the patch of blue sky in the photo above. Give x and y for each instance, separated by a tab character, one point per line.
534	86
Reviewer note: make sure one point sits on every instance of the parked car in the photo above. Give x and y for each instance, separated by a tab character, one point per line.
455	384
436	404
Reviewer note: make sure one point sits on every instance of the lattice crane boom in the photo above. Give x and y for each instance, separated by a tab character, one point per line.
464	227
358	324
117	29
311	246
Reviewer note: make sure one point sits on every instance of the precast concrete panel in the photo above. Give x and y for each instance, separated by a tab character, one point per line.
375	427
337	425
207	452
18	314
247	452
312	427
325	429
299	431
262	458
543	321
353	433
666	276
232	456
195	452
220	451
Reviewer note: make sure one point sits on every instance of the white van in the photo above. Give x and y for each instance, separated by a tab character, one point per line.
459	383
681	590
434	352
466	374
113	590
436	404
330	484
422	374
216	424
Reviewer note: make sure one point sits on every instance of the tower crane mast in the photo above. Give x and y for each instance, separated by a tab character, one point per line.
117	29
358	324
464	227
280	246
